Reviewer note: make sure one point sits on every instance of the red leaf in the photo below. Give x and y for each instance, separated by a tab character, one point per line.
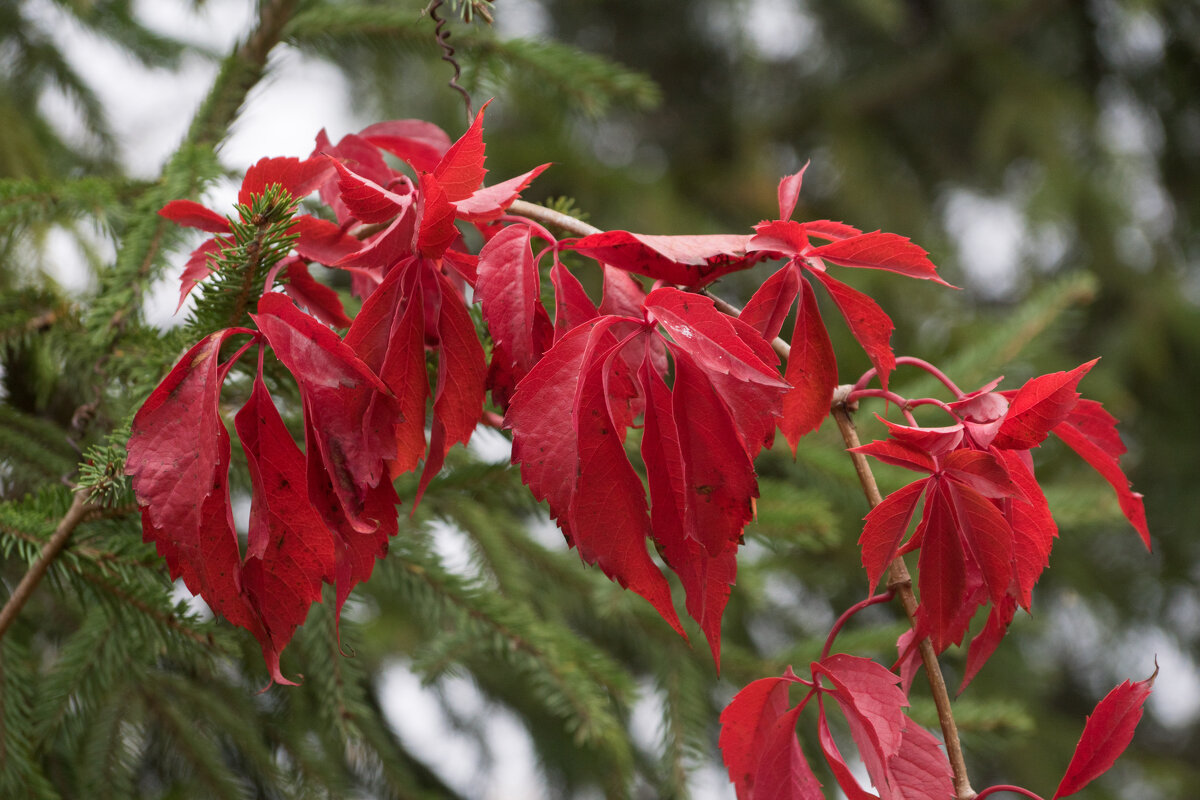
1099	457
899	454
367	200
868	694
982	415
194	215
1038	406
508	288
321	301
690	261
988	536
421	144
299	177
623	295
841	771
789	193
437	230
289	551
941	577
359	155
323	241
783	772
870	326
934	441
572	306
921	770
199	267
1107	733
887	251
1033	527
771	302
988	639
983	471
460	172
1098	426
885	528
353	430
828	229
491	202
779	238
811	370
746	727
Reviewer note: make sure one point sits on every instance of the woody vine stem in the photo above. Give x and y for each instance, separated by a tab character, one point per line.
899	579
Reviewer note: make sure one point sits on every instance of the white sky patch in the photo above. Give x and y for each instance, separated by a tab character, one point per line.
989	233
490	445
778	29
452	547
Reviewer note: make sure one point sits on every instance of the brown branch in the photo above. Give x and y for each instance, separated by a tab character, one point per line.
900	581
58	541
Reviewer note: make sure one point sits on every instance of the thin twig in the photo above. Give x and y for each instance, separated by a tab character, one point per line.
79	509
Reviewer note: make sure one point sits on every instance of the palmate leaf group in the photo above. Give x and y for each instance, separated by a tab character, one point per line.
636	419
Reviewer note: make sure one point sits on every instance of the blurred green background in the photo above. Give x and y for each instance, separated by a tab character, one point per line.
1046	153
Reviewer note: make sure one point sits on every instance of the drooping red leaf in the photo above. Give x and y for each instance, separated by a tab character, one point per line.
572	306
460	172
1098	456
1107	733
389	336
437	230
199	266
1100	427
934	441
354	430
811	370
941	577
899	454
289	550
921	770
491	202
878	250
690	261
193	215
357	154
421	144
323	241
1038	406
320	300
868	324
178	457
837	764
783	771
885	528
623	295
988	639
299	177
982	415
1032	525
868	694
987	535
769	306
365	199
746	726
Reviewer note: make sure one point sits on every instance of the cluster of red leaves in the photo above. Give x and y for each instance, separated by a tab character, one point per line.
986	531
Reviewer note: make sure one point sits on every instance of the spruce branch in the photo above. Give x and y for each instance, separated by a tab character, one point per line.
77	513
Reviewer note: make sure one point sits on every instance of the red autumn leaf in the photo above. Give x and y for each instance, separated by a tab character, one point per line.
779	238
885	528
1107	733
572	306
878	250
354	431
828	229
322	241
988	639
1038	406
921	770
837	764
771	302
987	534
789	192
982	414
199	267
437	230
1033	527
933	441
421	144
299	177
783	771
193	215
811	370
868	324
623	295
367	200
320	300
460	172
1098	455
490	202
941	579
746	727
983	471
289	550
899	454
357	154
868	695
508	288
1098	426
690	261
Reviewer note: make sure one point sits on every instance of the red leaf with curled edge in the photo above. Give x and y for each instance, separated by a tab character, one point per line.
885	527
690	261
490	202
933	441
987	535
988	639
1098	426
299	177
941	577
769	306
783	771
1097	454
984	471
508	289
828	229
789	192
178	458
420	144
323	241
357	154
868	324
878	250
706	577
811	370
779	238
367	200
982	414
193	215
199	267
868	695
572	306
437	230
354	431
320	300
460	171
837	764
1107	733
1038	406
898	454
289	550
